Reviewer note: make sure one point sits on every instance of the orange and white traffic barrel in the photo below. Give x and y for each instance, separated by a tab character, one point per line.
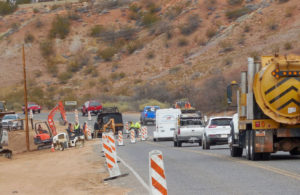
88	132
89	116
120	138
126	128
111	162
30	114
132	136
76	116
103	140
157	177
143	134
111	139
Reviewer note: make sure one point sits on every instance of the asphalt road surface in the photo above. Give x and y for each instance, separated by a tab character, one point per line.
191	170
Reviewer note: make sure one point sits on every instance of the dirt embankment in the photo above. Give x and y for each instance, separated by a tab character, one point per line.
73	171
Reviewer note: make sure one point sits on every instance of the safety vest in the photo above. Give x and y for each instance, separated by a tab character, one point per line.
132	125
76	127
137	125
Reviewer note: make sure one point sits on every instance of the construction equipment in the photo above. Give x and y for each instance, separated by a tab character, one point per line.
4	142
3	109
184	105
105	117
268	105
47	134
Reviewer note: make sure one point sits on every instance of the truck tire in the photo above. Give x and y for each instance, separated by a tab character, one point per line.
253	154
205	144
236	151
247	144
179	144
83	113
175	143
39	111
294	152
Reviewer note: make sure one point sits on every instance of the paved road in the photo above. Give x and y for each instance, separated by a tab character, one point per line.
191	170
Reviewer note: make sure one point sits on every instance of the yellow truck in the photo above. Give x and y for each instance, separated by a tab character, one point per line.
268	108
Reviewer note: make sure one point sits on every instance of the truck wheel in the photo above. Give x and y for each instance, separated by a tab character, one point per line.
265	156
39	111
179	143
294	152
247	147
200	143
236	151
253	154
175	143
154	139
83	113
205	144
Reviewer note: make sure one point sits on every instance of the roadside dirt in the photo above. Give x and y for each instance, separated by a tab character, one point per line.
73	171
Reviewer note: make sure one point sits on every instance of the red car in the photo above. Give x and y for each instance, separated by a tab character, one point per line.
93	106
32	106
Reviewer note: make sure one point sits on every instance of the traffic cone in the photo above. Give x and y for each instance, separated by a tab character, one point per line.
52	148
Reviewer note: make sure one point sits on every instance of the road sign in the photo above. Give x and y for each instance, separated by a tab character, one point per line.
71	103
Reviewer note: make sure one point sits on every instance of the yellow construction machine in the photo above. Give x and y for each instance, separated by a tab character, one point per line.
268	108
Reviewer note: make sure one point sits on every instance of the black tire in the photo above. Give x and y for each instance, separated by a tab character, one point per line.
154	139
33	111
265	156
39	111
253	155
200	143
236	151
247	144
294	152
179	143
83	114
175	143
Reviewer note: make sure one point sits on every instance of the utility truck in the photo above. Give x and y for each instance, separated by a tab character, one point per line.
268	108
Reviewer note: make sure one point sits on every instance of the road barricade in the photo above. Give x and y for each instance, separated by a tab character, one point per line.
157	177
132	136
120	138
126	128
144	133
30	114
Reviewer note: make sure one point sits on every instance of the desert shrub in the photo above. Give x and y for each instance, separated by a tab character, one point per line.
96	30
89	69
174	11
147	102
247	28
52	69
60	27
122	106
174	69
46	48
134	45
226	46
235	2
73	15
29	38
38	73
111	4
95	73
64	77
39	24
153	8
191	25
149	19
288	46
126	33
23	2
54	7
289	11
134	7
160	28
36	94
182	42
272	25
211	32
150	54
7	8
74	66
236	13
103	81
35	10
282	1
117	76
107	53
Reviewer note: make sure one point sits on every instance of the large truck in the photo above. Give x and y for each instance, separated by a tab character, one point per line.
268	108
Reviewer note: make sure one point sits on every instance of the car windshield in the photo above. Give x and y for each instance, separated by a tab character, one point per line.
221	121
94	104
31	105
151	109
9	117
190	121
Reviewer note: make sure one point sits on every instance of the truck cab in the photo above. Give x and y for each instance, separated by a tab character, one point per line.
190	130
148	115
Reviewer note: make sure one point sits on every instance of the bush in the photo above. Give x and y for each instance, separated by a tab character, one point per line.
235	2
289	11
74	66
23	2
6	8
226	46
107	53
29	38
191	25
236	13
117	76
60	27
149	19
54	7
174	11
153	102
52	69
103	81
73	16
182	42
288	46
35	10
282	1
46	48
247	28
174	70
64	77
134	45
150	54
38	24
96	30
211	32
272	25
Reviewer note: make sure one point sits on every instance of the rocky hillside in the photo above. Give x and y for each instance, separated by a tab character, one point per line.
128	51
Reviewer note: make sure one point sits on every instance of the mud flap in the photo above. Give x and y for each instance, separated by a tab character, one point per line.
263	141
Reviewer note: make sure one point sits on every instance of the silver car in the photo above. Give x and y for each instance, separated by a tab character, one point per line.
11	121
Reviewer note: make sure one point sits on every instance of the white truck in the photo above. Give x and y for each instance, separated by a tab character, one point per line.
166	124
190	130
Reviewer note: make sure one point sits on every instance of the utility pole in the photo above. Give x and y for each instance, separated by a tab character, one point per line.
25	100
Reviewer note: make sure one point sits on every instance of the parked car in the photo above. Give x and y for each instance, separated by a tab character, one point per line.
216	132
32	106
166	124
11	121
93	106
148	115
190	130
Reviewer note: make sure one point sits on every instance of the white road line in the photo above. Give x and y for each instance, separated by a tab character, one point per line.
135	174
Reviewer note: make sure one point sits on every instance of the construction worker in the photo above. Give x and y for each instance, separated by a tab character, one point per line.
76	127
137	126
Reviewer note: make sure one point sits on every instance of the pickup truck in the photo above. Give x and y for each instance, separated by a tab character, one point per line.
148	114
190	130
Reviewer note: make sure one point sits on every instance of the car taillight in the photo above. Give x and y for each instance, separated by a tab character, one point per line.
178	131
146	115
212	126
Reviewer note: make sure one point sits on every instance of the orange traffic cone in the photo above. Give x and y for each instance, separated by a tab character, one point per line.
52	148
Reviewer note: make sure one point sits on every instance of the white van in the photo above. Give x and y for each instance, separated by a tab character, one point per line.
166	123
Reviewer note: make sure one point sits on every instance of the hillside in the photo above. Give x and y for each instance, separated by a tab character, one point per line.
135	50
